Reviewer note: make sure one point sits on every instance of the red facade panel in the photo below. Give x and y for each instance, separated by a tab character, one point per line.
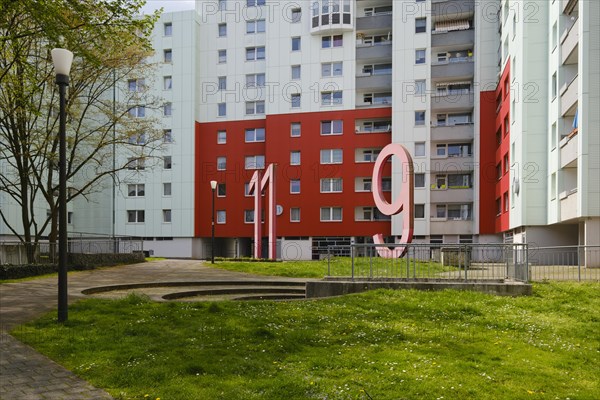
502	156
487	172
277	149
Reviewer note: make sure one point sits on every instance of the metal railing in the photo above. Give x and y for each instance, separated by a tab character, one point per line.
43	252
487	262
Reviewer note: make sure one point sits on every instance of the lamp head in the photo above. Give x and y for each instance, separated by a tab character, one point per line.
213	185
62	60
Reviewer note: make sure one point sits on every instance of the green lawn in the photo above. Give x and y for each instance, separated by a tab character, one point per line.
377	345
338	266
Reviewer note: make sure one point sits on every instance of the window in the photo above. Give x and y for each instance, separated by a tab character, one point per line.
420	149
221	189
222	30
136	216
137	138
419	117
554	86
295	157
440	150
296	15
329	214
331	156
136	190
167	162
255	80
254	3
498	206
331	185
222	56
368	155
363	185
255	53
334	127
552	136
136	85
420	87
505	201
295	186
167	189
167	82
553	186
370	214
254	162
295	99
257	26
420	25
222	5
459	181
440	211
506	165
332	69
221	163
221	216
168	109
420	56
331	98
221	109
249	216
222	83
295	214
168	29
255	107
420	211
168	55
295	129
138	111
166	216
554	37
296	72
255	135
69	217
419	180
332	41
460	212
296	44
221	137
167	136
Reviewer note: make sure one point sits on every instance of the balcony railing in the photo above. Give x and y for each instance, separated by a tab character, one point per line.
569	95
570	44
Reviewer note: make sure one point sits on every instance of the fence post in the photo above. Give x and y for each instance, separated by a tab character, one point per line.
527	277
464	258
352	258
328	262
370	263
579	262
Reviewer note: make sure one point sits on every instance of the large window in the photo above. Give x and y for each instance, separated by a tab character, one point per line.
332	69
136	85
256	26
331	156
255	135
331	185
255	80
329	214
332	41
136	190
334	127
254	162
255	107
136	216
420	25
255	53
331	98
295	129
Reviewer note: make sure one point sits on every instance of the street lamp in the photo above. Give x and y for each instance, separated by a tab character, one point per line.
213	186
62	59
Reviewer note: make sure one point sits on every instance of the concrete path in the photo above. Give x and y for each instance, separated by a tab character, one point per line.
26	374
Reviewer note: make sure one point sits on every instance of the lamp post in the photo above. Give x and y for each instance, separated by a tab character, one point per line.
62	59
213	186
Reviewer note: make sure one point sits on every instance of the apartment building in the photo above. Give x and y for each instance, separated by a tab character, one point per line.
547	142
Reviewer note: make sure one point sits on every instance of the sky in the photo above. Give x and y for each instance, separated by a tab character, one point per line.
168	5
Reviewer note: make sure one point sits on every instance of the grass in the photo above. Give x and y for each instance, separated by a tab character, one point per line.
337	266
377	345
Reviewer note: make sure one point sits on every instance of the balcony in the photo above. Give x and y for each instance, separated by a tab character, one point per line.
569	150
452	195
452	8
452	132
451	227
374	52
452	164
452	101
568	205
374	22
567	6
374	82
569	95
462	68
570	45
452	38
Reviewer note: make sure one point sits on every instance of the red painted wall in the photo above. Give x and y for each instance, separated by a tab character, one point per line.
277	148
503	98
487	172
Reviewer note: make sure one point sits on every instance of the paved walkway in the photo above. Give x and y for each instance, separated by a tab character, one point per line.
26	374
